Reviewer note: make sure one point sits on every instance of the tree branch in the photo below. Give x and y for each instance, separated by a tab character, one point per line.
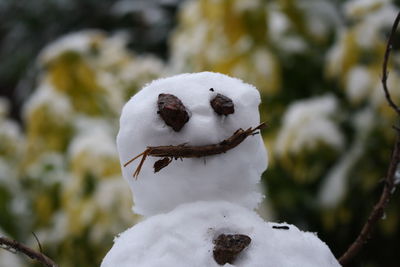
14	245
389	185
385	73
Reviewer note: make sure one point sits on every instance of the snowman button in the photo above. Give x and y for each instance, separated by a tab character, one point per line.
228	247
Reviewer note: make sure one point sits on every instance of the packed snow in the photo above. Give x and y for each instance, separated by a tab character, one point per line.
184	237
192	202
233	176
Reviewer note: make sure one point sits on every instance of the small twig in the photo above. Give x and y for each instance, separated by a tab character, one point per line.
184	151
38	242
389	184
385	73
33	254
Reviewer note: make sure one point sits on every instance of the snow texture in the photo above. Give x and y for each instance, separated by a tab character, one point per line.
356	8
184	237
94	137
233	176
359	83
47	96
78	42
334	187
307	123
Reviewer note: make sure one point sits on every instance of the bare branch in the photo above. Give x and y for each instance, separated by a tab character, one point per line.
185	151
33	254
389	185
385	73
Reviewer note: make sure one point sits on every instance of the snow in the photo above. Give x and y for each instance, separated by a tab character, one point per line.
243	6
369	32
111	50
57	232
79	42
333	188
359	82
11	145
108	194
263	62
48	169
11	141
10	132
8	256
191	202
357	8
233	176
335	56
279	29
142	68
320	16
397	176
93	150
372	17
184	237
57	103
94	138
308	123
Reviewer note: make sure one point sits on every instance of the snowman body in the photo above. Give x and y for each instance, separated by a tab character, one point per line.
184	237
192	201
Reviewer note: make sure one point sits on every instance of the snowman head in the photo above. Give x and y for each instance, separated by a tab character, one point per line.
207	109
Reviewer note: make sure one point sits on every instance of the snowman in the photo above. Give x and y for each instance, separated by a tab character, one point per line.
192	154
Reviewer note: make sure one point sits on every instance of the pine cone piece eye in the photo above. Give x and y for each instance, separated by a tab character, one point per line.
172	111
228	247
223	105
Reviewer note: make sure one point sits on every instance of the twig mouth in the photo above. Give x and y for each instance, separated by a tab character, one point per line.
168	153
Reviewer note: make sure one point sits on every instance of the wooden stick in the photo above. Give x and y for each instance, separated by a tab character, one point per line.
389	186
185	151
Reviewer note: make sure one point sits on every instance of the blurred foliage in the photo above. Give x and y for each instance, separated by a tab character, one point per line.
27	26
316	63
65	170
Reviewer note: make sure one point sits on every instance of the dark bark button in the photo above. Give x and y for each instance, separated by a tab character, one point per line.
223	105
228	247
172	111
162	163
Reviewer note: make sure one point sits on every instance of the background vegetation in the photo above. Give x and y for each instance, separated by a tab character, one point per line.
69	66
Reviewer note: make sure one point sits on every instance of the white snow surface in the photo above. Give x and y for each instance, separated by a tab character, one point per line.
184	237
233	176
308	122
76	41
334	186
359	83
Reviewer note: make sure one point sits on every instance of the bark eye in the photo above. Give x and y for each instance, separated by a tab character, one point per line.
172	111
222	105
